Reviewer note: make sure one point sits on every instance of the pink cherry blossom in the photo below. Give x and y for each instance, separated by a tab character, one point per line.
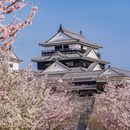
27	101
8	32
113	105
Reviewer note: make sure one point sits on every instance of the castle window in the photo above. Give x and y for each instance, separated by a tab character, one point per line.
70	64
66	47
81	47
58	48
11	65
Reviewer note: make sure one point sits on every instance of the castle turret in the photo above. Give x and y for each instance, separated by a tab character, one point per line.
70	49
68	56
14	62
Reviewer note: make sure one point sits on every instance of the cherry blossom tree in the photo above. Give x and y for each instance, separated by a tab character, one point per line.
57	107
21	96
8	32
27	101
113	106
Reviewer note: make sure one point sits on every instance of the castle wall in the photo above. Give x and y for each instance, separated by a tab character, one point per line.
75	46
50	48
14	65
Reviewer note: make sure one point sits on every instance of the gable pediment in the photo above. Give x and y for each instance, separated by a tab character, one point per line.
60	80
97	67
110	72
92	54
94	67
59	37
57	67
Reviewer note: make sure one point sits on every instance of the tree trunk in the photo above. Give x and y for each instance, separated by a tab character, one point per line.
85	116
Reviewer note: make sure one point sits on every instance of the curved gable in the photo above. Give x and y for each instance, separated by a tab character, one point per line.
59	37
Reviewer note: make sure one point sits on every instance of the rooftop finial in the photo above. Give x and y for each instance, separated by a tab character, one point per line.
81	33
60	29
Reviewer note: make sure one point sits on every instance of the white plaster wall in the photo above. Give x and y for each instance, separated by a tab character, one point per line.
49	48
60	80
96	50
15	65
75	46
85	47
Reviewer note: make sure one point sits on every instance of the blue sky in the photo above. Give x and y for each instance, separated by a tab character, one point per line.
106	22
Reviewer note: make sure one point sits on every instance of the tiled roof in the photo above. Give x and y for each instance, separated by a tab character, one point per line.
114	71
82	75
79	69
61	56
75	37
12	56
41	58
121	71
92	66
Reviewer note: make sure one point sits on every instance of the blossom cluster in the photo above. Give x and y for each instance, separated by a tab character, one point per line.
8	31
27	101
113	105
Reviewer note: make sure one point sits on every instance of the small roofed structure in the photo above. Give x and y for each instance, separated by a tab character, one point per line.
68	56
13	61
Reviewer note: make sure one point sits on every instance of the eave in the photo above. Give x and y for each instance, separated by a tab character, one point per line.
70	42
16	60
74	58
90	44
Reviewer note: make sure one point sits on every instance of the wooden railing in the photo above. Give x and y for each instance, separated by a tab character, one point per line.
65	51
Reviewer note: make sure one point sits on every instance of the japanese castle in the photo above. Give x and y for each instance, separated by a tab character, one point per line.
68	56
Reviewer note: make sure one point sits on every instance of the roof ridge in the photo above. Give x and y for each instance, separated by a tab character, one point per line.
110	67
73	32
63	30
120	68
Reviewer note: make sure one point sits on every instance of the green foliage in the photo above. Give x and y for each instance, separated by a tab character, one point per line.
95	124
